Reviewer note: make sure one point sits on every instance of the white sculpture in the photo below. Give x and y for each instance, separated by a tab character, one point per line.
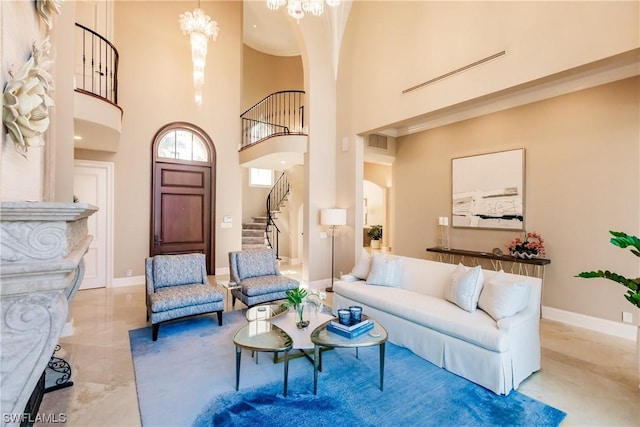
26	101
46	9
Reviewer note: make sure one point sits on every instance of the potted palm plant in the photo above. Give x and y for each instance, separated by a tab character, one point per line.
623	240
375	234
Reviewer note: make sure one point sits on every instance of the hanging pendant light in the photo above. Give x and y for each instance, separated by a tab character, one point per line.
200	28
297	8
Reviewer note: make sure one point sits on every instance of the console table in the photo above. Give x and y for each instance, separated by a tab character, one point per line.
533	267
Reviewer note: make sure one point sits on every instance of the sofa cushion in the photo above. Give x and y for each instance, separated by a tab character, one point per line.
254	263
267	284
170	298
386	270
426	277
502	297
171	270
363	266
465	287
435	313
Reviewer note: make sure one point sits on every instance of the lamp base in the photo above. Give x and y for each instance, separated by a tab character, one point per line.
330	289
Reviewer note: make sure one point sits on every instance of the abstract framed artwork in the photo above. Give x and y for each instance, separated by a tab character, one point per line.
487	190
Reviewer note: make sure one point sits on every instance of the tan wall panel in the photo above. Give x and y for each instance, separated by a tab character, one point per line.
393	46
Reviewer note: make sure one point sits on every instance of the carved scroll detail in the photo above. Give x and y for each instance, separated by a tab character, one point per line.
33	241
30	327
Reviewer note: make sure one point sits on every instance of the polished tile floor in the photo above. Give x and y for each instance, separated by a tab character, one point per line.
591	376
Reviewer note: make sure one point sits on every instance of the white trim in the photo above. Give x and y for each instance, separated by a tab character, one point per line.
127	281
618	329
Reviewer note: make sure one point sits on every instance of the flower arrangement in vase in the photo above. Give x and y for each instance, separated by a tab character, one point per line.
531	247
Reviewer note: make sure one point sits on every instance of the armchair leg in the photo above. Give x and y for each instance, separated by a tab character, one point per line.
219	318
154	331
147	315
233	301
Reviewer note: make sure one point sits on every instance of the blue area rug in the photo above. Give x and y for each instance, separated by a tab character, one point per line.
187	377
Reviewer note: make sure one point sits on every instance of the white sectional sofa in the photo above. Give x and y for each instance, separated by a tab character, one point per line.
497	354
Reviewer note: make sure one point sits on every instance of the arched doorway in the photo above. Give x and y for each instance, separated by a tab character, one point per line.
183	192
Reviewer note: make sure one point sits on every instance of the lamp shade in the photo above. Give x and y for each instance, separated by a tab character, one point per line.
333	216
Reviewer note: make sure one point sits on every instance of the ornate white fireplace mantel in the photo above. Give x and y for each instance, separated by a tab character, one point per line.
42	246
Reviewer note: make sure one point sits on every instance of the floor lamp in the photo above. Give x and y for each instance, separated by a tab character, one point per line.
333	218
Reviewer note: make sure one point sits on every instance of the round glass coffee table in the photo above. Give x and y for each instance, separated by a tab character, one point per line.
324	339
279	315
261	335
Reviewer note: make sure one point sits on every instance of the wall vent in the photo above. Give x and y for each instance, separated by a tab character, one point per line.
454	72
377	141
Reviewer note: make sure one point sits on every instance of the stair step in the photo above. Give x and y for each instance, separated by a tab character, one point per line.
253	232
253	240
253	226
253	246
260	219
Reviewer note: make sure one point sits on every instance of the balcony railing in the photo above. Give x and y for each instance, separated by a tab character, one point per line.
96	64
281	113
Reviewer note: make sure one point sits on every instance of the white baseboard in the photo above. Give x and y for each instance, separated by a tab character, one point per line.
618	329
127	281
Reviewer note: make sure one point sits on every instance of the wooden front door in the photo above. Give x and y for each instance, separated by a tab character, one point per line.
181	217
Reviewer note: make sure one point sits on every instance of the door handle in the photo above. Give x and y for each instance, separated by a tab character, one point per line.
156	240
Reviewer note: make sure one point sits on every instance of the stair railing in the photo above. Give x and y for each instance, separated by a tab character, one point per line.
281	113
96	71
278	193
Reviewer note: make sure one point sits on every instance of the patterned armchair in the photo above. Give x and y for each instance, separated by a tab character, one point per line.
178	286
256	272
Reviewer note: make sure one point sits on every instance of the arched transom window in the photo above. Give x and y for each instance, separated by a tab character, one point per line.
182	144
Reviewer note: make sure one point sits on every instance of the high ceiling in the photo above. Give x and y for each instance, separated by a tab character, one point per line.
268	31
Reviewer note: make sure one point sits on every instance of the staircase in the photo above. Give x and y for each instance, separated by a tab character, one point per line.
262	231
254	233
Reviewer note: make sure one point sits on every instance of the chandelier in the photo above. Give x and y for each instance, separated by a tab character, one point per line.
200	28
297	8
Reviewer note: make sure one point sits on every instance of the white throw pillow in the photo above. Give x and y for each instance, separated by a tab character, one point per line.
361	269
386	270
503	298
465	287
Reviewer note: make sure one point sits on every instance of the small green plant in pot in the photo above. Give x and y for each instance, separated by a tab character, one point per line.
296	299
375	234
621	240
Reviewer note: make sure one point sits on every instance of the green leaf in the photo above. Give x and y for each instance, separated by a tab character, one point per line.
623	240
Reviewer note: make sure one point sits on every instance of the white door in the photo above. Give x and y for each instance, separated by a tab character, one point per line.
93	184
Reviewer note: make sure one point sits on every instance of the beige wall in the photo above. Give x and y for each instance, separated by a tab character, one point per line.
266	74
582	179
155	88
391	46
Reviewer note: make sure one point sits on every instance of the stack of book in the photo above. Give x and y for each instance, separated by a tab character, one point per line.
350	331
